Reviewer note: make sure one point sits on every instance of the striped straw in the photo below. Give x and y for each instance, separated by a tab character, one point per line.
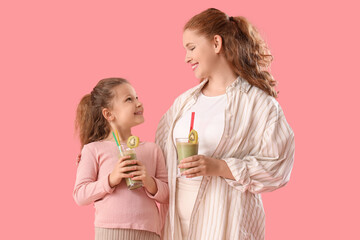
117	142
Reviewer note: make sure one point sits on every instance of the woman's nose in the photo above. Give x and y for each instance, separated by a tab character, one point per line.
187	58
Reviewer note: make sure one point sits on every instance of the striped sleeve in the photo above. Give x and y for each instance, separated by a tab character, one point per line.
161	136
162	131
270	168
163	128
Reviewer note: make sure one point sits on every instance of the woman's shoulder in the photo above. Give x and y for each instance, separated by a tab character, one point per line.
188	93
259	96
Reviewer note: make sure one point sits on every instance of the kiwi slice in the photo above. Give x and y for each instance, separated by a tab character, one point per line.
132	142
193	136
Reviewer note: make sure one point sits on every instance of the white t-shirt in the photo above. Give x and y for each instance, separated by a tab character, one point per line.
209	122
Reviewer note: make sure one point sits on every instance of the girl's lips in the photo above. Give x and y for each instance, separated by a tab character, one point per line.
138	113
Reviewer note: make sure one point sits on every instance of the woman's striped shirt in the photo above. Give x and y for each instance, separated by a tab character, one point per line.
258	146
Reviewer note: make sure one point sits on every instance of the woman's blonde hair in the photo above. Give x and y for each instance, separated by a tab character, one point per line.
243	47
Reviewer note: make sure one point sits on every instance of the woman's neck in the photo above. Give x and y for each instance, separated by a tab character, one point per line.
219	80
217	84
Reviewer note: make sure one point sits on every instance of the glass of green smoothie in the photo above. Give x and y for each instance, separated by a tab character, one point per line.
131	184
185	149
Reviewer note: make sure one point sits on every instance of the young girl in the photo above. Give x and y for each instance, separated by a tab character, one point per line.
120	213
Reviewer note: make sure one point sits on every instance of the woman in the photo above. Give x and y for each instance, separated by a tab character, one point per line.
246	146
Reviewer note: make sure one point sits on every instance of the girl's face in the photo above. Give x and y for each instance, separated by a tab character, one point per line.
127	110
201	54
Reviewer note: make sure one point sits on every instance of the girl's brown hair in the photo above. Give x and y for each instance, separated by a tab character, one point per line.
90	122
243	47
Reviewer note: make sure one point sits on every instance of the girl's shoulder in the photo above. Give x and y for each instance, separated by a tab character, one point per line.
98	146
151	149
149	145
98	143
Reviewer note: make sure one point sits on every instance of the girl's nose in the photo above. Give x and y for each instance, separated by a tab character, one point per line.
139	104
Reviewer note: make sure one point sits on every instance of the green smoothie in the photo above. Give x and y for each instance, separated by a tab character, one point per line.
131	184
185	149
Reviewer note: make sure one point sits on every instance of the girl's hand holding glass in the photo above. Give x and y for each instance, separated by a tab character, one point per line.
140	174
120	169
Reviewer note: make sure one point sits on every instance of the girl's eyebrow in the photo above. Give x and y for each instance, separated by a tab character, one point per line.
188	44
130	95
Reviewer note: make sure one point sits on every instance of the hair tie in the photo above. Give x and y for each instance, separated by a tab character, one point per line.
231	18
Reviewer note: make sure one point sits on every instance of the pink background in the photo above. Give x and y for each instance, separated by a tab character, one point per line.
52	53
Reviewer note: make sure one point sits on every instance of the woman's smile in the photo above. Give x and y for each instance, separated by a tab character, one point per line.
194	66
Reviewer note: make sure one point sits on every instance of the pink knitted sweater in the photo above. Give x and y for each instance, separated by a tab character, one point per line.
119	207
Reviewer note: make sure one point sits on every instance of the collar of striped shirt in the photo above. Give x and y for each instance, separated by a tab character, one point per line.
239	82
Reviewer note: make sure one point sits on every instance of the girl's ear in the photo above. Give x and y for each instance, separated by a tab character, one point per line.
107	114
217	43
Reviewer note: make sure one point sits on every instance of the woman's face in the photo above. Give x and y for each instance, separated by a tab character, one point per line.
201	54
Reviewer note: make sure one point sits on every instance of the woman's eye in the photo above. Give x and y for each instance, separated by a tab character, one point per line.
191	49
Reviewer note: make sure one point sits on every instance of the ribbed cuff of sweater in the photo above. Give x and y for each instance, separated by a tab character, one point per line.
106	184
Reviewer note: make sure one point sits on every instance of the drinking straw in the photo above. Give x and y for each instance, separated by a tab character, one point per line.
117	136
192	121
117	142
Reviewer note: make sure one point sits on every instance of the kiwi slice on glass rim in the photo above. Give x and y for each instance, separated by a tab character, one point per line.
132	142
193	136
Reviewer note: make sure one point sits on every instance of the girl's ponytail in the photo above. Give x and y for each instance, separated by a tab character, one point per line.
90	123
84	119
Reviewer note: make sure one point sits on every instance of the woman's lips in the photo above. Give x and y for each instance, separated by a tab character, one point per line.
193	66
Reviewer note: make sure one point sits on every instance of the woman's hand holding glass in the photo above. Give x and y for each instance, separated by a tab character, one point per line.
200	165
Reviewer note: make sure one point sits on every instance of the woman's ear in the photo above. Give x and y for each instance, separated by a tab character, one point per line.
217	43
107	114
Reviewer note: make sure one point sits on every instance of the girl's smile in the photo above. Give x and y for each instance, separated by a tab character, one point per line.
138	113
127	110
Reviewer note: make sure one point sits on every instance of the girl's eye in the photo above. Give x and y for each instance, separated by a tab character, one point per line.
191	49
128	99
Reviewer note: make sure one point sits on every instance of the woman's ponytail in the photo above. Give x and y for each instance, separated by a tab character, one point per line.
243	47
253	58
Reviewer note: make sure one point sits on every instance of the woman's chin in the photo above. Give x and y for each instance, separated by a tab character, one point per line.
199	76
